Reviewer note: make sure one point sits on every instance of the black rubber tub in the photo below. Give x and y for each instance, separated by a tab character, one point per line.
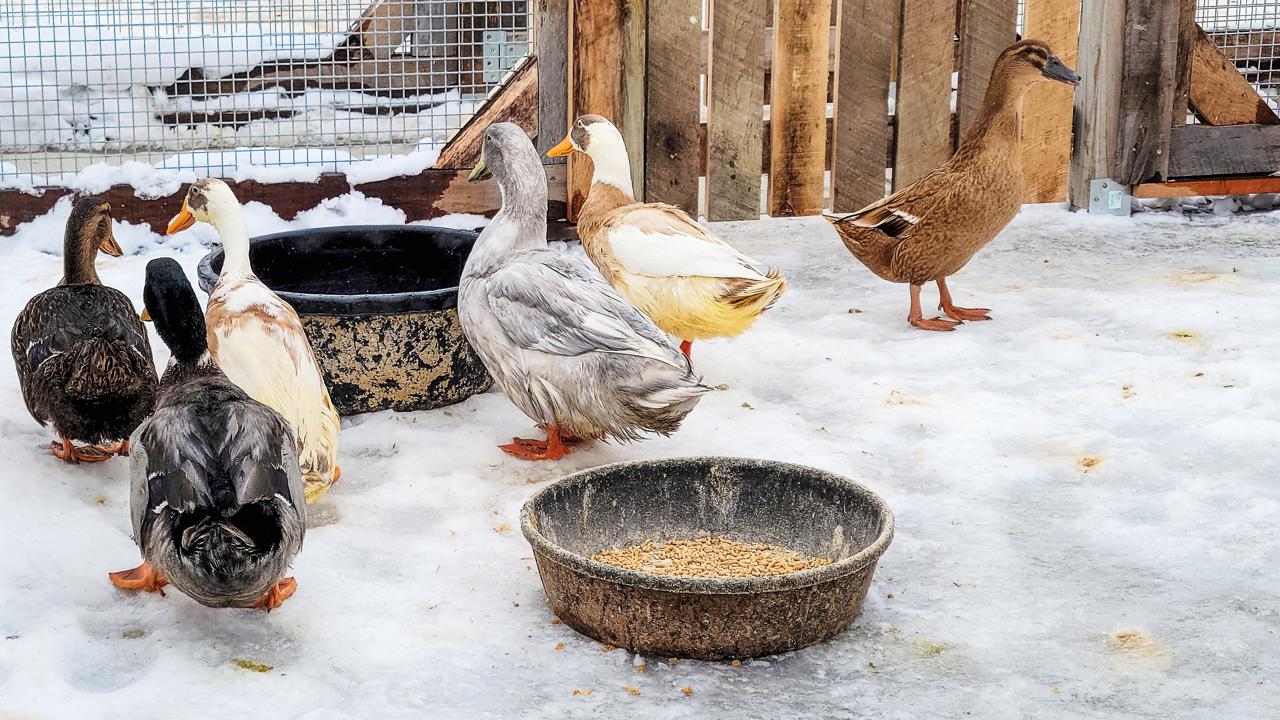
754	501
379	305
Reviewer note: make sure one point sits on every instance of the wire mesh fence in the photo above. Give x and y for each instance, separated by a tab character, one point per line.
210	85
1246	31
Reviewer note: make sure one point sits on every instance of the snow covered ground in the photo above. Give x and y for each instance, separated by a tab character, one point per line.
1085	491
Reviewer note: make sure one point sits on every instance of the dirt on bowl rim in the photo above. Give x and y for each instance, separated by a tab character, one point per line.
869	555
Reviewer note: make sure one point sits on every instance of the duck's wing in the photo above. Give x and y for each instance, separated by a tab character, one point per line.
59	319
195	457
555	304
660	240
896	214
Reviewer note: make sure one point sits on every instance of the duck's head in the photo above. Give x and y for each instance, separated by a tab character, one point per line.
88	233
207	200
1032	61
509	157
171	303
602	142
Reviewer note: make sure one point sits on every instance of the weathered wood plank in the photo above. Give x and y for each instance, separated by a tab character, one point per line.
987	27
735	109
1046	119
516	102
798	106
551	32
671	132
1218	186
595	45
1146	90
1206	150
1097	99
631	119
430	194
1182	61
1218	92
924	89
868	40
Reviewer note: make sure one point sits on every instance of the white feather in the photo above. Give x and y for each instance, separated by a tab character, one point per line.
667	255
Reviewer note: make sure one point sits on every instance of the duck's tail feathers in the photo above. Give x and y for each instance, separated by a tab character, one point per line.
662	404
762	293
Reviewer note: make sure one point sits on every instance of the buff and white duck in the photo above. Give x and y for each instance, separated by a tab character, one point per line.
693	284
258	340
562	344
931	228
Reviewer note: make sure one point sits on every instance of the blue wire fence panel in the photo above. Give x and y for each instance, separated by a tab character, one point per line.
210	85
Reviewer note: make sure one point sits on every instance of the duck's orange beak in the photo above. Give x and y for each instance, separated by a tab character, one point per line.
109	246
145	316
564	148
183	220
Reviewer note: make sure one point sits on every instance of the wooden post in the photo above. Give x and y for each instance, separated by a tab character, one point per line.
987	27
868	40
598	80
1182	64
735	109
798	126
550	35
671	144
923	108
1097	99
1147	86
1046	118
630	119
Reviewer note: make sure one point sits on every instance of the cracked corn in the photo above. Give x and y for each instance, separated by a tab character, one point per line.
711	557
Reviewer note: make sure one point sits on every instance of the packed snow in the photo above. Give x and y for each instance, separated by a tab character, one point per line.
1084	489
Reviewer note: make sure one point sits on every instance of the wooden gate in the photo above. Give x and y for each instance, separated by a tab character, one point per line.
832	102
1164	108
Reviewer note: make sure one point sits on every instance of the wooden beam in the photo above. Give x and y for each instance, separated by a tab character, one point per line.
1046	120
862	135
595	46
798	106
735	103
1220	186
987	27
1097	99
1146	90
924	89
1206	150
516	102
671	124
631	118
430	194
1218	92
551	32
1182	62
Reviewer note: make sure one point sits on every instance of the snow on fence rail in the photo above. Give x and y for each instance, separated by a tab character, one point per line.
205	85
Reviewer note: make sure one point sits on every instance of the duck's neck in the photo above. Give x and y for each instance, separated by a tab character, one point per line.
79	260
181	371
999	123
521	224
235	242
613	168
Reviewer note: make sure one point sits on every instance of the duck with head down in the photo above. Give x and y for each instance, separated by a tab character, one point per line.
82	355
258	340
930	229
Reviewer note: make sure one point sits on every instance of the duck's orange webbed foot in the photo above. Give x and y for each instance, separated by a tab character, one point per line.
66	451
958	313
144	577
278	593
933	324
553	448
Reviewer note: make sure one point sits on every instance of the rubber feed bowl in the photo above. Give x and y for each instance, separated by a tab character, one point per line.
752	501
379	305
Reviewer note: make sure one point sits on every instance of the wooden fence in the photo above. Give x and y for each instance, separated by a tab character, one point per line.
834	101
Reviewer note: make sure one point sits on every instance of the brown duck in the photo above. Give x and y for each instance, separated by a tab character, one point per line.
931	228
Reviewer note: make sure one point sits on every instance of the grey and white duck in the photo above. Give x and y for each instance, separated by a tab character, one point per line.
216	488
562	344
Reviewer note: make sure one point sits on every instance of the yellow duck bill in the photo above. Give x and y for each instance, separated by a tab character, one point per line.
183	220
